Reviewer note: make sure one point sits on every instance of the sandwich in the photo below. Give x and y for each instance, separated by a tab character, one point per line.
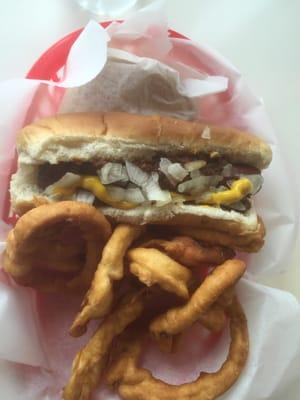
144	169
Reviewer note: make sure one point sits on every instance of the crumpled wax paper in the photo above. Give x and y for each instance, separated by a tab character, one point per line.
34	326
140	85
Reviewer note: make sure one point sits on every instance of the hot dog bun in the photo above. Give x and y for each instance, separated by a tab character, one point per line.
116	135
120	136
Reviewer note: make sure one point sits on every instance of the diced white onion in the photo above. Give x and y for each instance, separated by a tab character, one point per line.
221	188
154	192
113	172
238	206
227	170
194	165
206	133
68	180
84	196
257	181
134	195
177	172
214	154
116	193
198	185
148	183
195	185
136	174
195	174
164	164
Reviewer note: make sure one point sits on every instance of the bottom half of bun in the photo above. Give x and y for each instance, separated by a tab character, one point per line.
206	224
245	229
211	225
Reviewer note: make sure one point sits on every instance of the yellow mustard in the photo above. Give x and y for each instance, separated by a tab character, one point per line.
239	189
94	185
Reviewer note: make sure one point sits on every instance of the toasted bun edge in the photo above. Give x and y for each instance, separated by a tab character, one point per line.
86	136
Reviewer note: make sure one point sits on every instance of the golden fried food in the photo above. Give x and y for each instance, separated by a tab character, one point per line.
168	344
188	252
226	297
252	242
136	383
214	319
56	247
63	257
177	319
154	267
91	360
99	298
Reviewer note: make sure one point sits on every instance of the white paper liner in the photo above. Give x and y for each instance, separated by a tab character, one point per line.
34	327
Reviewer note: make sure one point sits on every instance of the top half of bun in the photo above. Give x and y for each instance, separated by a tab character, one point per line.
117	135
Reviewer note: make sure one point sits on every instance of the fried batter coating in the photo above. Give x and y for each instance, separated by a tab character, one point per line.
214	319
226	298
168	344
188	252
34	255
90	362
177	319
63	257
154	267
251	242
99	298
136	383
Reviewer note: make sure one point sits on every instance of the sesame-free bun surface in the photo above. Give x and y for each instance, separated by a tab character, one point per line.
116	135
120	136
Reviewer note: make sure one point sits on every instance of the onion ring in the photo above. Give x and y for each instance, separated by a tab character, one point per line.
177	319
35	239
136	383
99	298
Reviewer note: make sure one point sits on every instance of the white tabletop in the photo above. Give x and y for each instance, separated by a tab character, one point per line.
261	37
